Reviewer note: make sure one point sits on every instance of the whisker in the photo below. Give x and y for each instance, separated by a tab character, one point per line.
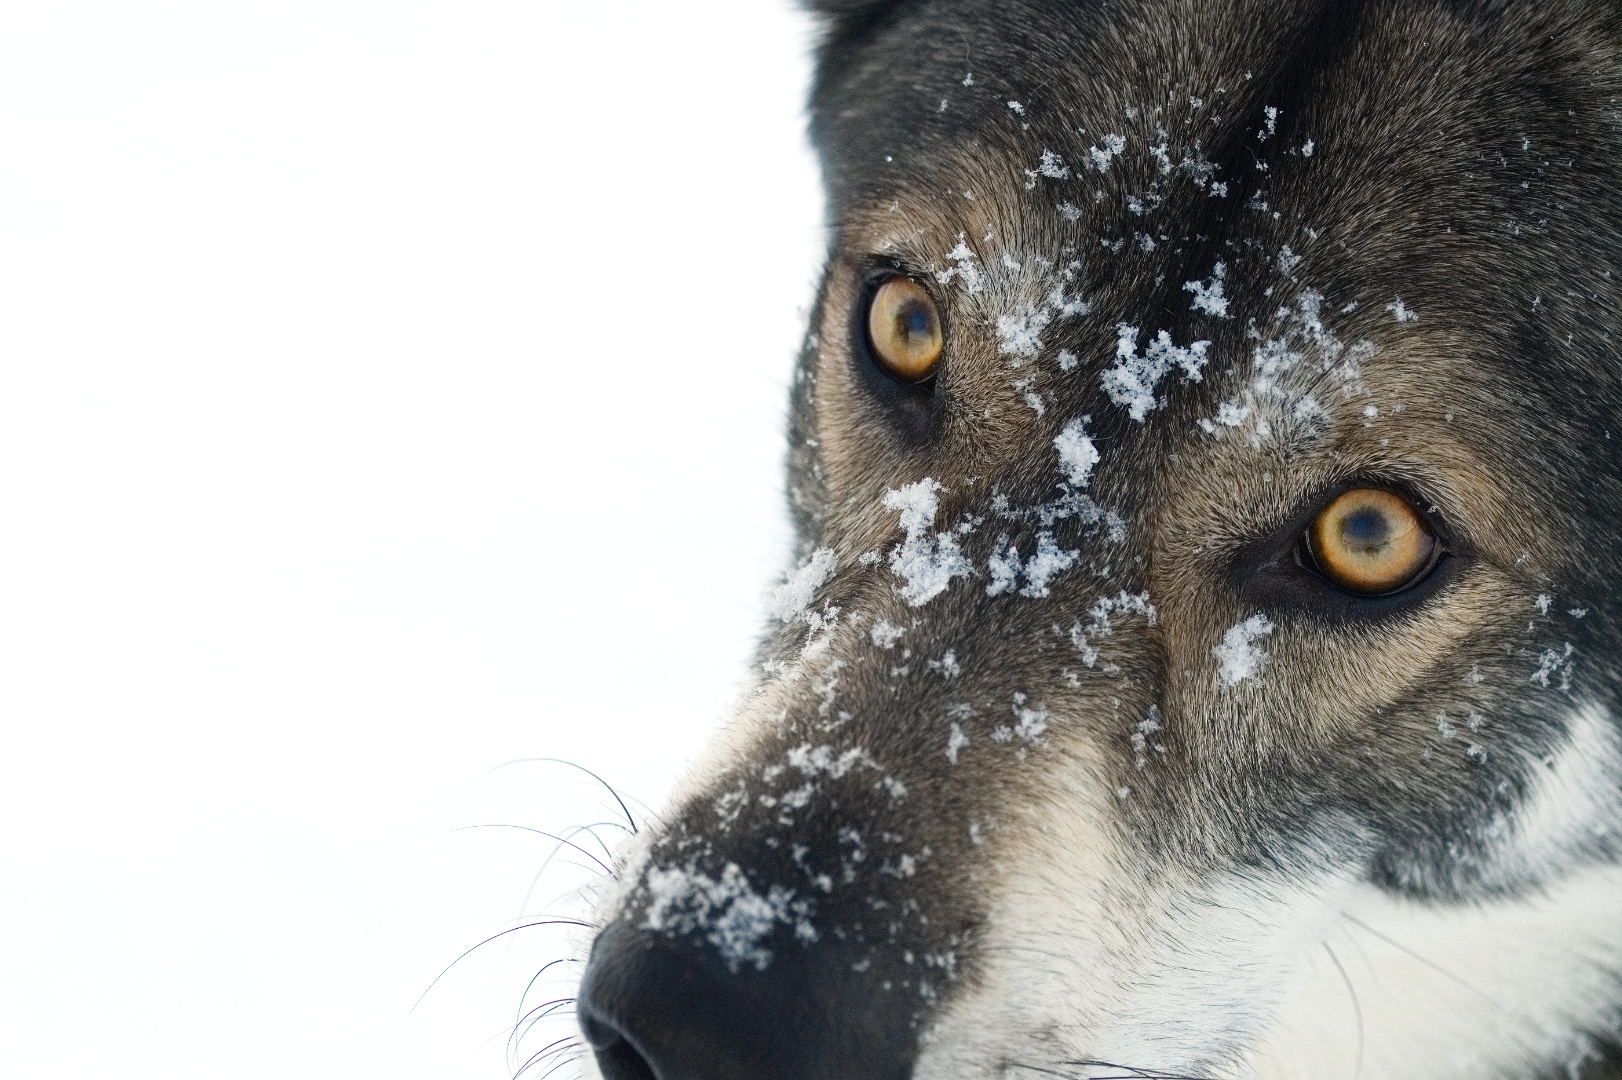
555	1068
1133	1072
629	820
543	1008
1040	1069
551	1049
1357	1009
570	894
488	940
1368	964
1430	964
526	1028
569	834
591	830
1123	1072
531	984
554	1047
549	836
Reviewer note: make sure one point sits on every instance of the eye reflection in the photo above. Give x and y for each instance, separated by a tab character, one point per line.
1366	530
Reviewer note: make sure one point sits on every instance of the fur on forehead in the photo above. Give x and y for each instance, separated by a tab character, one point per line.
922	156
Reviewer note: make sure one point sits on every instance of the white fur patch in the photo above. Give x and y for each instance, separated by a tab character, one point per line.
1304	977
1575	801
1397	989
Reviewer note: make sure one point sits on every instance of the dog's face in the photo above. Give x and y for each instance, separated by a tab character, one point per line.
1205	459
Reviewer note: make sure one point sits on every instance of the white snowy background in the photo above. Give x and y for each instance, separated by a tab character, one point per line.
391	391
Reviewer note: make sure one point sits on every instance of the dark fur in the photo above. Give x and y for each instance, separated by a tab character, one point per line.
1466	159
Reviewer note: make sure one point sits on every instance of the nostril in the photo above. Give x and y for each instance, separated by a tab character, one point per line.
660	1008
623	1063
617	1059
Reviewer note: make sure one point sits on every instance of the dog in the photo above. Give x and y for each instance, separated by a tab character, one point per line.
1200	658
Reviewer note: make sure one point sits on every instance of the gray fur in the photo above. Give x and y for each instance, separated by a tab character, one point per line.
1462	170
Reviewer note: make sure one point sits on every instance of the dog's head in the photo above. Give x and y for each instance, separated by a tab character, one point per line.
1200	656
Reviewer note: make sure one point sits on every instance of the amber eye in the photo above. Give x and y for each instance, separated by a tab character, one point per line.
905	330
1372	542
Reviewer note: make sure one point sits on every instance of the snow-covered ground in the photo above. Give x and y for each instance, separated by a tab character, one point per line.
388	392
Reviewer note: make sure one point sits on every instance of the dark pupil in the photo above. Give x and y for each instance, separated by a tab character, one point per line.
916	321
1367	528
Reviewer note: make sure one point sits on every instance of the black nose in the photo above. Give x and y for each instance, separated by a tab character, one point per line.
661	1008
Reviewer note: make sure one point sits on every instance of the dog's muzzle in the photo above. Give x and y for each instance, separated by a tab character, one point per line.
660	1008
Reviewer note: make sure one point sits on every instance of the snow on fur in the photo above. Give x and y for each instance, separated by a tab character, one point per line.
928	563
733	916
1077	454
1239	656
1132	381
791	598
1048	562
